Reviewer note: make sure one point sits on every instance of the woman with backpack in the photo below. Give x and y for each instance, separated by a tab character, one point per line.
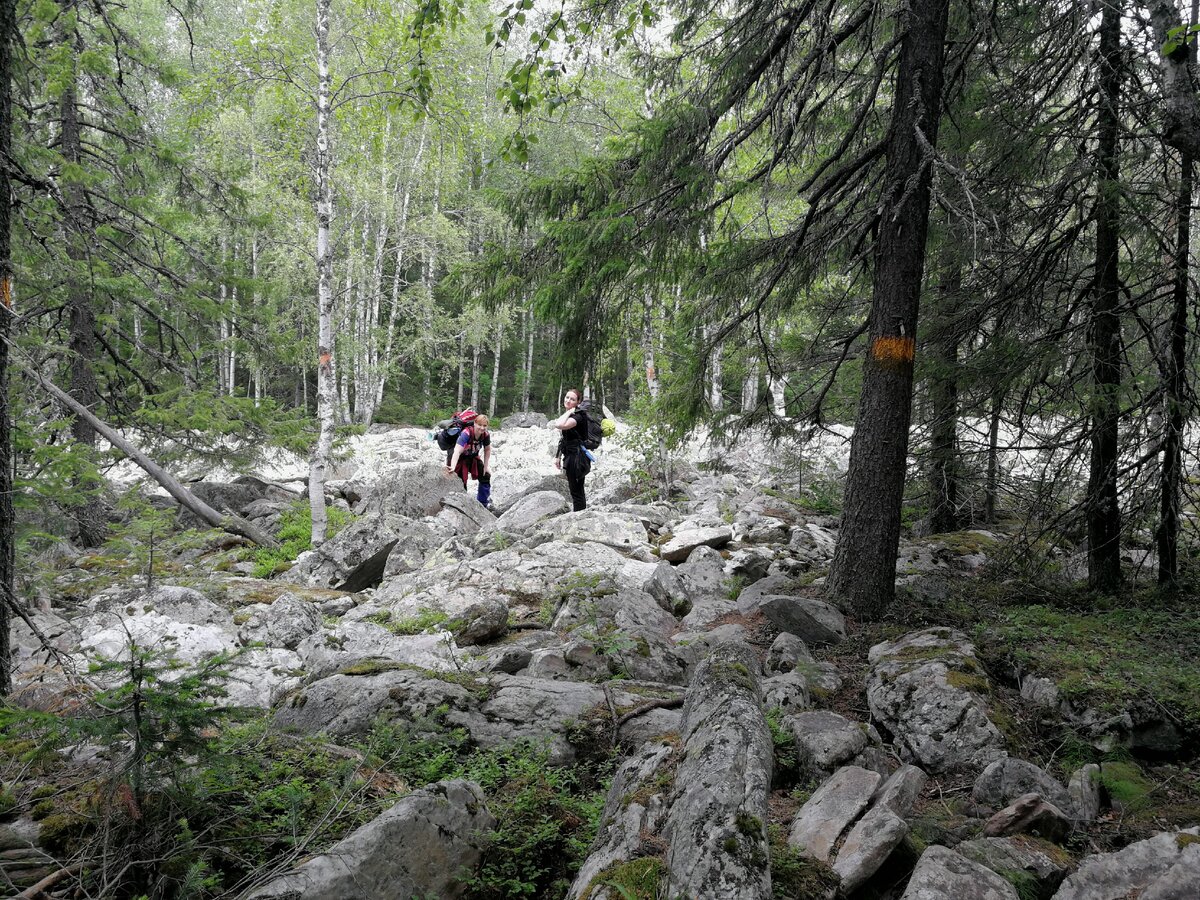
473	458
571	456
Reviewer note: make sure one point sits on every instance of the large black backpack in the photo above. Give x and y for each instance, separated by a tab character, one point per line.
448	436
595	433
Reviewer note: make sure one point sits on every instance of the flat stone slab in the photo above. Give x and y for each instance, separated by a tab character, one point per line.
831	809
869	843
942	874
680	546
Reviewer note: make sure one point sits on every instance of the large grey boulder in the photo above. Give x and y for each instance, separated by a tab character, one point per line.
925	690
1084	790
615	528
532	509
419	847
812	620
1004	780
232	496
830	810
703	577
464	514
827	739
184	604
1164	867
636	806
480	622
329	564
690	535
285	622
787	692
1040	861
716	830
525	420
348	642
942	874
867	846
787	652
413	490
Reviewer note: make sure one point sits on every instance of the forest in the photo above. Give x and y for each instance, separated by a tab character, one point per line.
890	305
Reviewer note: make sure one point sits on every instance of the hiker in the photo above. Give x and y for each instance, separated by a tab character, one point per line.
571	456
472	457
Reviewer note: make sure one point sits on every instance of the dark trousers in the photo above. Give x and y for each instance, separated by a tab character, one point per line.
576	466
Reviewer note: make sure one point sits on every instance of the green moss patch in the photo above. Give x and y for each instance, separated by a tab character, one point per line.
1107	659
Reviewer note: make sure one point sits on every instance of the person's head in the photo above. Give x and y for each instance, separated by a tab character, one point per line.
571	398
481	424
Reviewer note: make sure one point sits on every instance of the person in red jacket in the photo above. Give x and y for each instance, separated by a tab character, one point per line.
472	458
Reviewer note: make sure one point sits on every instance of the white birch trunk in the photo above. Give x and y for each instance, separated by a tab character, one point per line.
750	386
496	366
648	342
326	392
475	375
532	330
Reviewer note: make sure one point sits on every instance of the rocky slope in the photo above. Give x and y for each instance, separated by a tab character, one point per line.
688	633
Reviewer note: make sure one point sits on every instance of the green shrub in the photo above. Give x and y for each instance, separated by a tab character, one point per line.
295	536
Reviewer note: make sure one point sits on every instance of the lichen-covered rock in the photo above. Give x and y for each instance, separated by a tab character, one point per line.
788	692
925	689
899	792
1164	867
827	739
1004	780
942	874
327	651
716	830
1041	863
635	808
419	847
615	528
786	652
283	623
532	509
480	622
869	843
703	577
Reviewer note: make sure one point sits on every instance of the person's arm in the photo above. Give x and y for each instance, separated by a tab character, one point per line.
487	459
454	459
567	422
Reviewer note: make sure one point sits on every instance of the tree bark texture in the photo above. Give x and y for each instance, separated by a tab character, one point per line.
326	384
863	573
1175	368
1103	509
8	533
89	515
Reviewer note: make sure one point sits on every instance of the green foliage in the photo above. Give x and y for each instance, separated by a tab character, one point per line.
789	763
295	536
423	621
1108	659
795	876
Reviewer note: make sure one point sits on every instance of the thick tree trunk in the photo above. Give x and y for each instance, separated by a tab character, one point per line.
991	480
863	573
89	514
1175	374
8	533
777	383
1181	109
943	396
326	385
716	397
1103	509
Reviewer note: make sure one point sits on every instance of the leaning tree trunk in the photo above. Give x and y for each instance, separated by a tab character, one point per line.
326	386
8	533
864	564
1103	509
943	396
1175	375
228	521
89	514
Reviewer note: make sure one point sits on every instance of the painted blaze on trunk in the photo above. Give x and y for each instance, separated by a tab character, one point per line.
864	565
